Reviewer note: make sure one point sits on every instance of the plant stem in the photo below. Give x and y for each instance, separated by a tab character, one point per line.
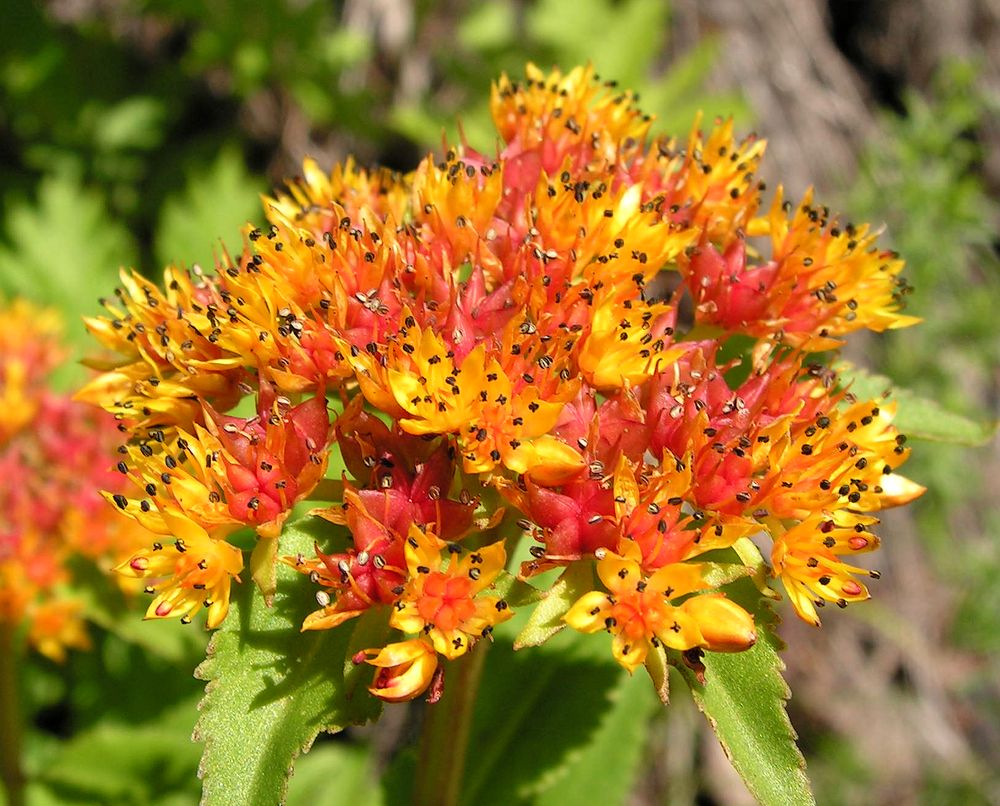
10	720
445	737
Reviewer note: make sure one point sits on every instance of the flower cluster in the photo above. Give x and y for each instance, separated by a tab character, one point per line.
600	329
54	457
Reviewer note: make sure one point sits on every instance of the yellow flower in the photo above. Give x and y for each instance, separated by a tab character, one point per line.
806	558
562	113
29	349
193	572
638	611
444	602
439	396
845	457
184	481
454	202
627	343
318	202
828	280
709	185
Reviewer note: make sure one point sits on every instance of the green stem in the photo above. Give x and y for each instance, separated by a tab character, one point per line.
10	720
445	737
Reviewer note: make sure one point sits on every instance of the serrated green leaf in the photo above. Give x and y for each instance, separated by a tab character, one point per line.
215	205
546	619
63	251
272	689
916	416
743	697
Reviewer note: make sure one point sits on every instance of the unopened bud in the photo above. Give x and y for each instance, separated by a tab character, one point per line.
725	626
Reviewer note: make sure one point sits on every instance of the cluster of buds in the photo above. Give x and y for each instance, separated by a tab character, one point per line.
596	334
54	457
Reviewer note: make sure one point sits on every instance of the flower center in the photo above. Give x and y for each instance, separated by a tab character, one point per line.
446	601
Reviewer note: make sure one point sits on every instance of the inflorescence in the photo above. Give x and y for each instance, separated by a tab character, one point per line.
602	332
54	457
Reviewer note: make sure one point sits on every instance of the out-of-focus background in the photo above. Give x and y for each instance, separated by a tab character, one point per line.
138	133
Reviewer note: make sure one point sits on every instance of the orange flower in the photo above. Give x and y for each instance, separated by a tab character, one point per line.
442	601
318	202
821	281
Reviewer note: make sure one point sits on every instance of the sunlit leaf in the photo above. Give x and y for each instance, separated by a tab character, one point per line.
743	697
272	689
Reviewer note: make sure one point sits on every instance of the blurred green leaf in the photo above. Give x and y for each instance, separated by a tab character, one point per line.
272	689
488	26
217	202
916	416
335	774
136	122
619	38
679	94
123	765
743	697
106	606
63	251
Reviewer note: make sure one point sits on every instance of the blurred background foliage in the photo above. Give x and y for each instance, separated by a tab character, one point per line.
141	133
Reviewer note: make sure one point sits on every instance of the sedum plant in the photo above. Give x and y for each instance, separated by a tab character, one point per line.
583	382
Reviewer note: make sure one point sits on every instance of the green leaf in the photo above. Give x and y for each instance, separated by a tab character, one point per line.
743	697
557	724
136	122
517	592
272	689
916	416
215	205
546	619
126	765
63	251
335	774
631	34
